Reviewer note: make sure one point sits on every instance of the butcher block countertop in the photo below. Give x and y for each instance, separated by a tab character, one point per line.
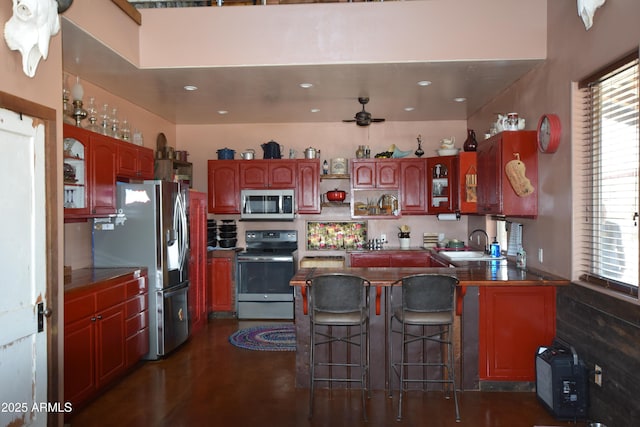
85	277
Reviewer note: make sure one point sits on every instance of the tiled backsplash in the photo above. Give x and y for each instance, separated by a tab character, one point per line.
333	235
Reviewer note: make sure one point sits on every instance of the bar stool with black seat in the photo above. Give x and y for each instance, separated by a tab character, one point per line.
337	303
425	314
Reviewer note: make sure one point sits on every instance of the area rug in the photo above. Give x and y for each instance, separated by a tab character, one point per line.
266	338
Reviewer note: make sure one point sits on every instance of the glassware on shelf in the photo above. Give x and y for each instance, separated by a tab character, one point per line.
78	113
419	152
105	120
125	132
115	124
66	109
92	113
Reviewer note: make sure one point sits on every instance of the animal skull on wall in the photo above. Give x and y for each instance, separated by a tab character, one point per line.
29	30
586	10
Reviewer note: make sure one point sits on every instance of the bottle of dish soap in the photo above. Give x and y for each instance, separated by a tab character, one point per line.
495	248
521	258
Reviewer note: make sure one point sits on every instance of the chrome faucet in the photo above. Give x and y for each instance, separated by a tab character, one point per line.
486	238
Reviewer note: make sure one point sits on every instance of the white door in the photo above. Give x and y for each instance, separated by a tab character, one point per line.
23	343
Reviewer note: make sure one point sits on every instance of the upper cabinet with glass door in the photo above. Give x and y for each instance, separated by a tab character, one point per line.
441	184
75	177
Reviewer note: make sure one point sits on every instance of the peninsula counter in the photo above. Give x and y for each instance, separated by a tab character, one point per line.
487	293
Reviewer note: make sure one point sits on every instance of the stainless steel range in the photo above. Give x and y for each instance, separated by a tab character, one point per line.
264	271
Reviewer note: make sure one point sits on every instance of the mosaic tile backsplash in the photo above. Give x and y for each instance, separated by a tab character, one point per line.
336	235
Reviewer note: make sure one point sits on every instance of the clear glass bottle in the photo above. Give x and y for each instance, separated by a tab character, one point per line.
360	152
105	120
521	258
92	114
125	131
114	129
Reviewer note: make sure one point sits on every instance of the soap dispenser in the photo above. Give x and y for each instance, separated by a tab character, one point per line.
495	248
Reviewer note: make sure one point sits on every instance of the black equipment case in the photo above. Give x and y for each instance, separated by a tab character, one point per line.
562	382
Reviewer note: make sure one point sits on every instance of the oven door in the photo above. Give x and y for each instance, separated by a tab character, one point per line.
263	286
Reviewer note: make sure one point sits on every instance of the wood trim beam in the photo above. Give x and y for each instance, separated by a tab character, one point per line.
131	11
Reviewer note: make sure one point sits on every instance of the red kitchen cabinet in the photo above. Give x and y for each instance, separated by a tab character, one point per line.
223	185
79	349
134	162
76	172
467	182
375	173
513	322
137	320
106	332
442	184
497	193
221	283
102	170
308	188
413	186
95	162
272	173
198	260
110	344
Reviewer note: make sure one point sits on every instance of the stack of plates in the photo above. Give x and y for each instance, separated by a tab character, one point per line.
429	240
227	234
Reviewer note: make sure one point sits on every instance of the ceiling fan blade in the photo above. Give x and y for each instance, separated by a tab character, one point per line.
377	120
349	120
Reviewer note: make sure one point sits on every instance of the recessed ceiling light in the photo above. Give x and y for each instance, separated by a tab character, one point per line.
190	87
461	99
424	83
315	110
306	85
409	108
222	112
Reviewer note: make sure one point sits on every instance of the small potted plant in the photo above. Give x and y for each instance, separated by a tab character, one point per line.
404	236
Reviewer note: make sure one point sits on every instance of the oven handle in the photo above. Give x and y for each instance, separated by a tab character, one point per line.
266	259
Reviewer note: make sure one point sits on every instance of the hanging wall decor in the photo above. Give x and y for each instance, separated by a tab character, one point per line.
586	10
29	29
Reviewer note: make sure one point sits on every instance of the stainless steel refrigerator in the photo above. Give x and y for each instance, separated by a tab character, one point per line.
151	230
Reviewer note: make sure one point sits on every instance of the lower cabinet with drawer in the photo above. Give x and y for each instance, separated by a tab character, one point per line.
106	332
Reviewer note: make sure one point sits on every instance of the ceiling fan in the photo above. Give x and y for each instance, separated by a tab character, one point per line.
363	118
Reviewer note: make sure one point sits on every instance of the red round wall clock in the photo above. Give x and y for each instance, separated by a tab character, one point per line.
549	129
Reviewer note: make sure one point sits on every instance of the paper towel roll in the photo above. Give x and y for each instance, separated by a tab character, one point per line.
448	217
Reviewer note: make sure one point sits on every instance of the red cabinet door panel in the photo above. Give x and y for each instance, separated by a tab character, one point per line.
514	322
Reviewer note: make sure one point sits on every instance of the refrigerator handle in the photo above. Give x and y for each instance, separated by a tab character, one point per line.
171	236
180	219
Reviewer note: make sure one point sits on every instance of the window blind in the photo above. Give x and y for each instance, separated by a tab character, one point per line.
610	178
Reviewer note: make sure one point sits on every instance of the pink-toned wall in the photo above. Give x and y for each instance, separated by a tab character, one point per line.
573	53
343	33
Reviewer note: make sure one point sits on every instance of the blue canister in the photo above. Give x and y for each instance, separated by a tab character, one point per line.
495	248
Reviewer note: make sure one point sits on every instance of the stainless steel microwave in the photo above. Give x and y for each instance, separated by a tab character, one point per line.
267	204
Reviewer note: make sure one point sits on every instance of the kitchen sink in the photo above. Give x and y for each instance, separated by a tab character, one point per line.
469	256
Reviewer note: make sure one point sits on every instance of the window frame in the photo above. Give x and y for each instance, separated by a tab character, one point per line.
581	131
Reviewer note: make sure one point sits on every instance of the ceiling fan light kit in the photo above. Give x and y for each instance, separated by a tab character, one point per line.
363	118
